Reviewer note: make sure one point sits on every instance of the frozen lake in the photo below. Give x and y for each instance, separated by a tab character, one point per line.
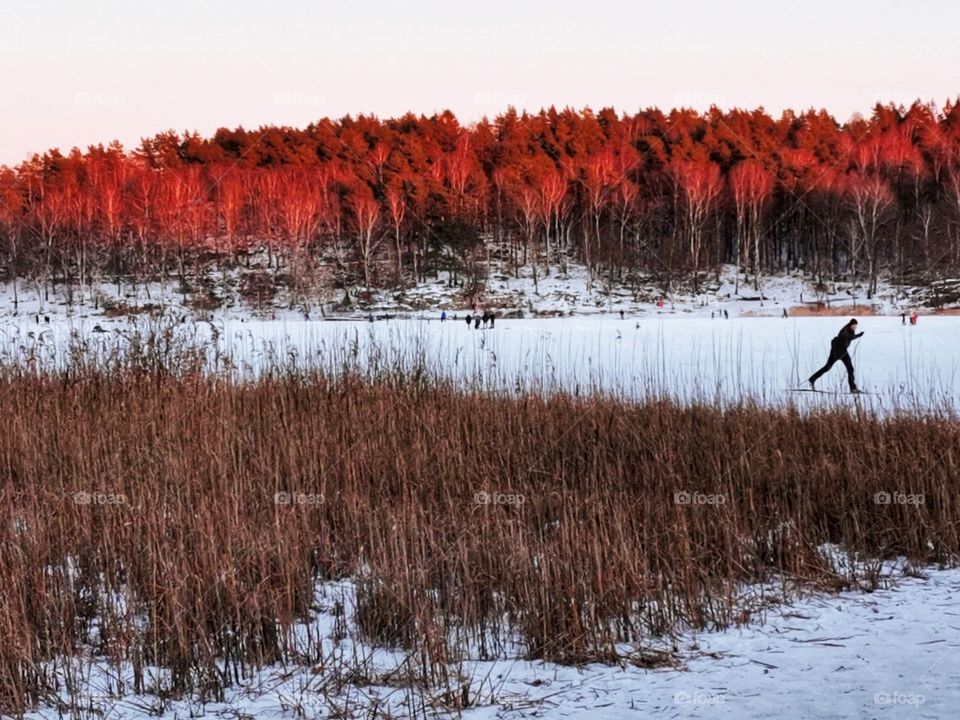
683	357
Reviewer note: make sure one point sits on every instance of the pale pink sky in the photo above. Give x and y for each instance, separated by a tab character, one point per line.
88	71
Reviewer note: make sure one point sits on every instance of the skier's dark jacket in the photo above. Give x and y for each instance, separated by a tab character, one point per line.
841	342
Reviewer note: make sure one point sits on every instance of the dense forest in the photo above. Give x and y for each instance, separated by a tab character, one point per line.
364	202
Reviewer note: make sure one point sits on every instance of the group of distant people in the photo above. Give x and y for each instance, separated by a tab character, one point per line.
475	318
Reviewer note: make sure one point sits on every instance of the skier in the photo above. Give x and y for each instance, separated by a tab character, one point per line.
469	320
443	316
838	351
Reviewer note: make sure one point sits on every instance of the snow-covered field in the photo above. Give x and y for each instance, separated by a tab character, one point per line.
886	654
560	332
681	356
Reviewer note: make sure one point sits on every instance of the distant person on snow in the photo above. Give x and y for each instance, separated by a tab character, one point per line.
469	320
914	317
838	351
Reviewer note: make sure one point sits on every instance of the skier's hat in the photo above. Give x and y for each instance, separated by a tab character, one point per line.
853	321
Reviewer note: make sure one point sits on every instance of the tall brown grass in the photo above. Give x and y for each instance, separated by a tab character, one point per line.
180	520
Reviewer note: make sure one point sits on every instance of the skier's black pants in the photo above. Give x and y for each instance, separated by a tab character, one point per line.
843	357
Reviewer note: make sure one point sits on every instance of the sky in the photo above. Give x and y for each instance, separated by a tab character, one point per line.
82	72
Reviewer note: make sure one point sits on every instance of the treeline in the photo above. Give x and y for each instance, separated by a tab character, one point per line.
369	202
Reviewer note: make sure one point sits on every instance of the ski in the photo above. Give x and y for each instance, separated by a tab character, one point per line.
829	392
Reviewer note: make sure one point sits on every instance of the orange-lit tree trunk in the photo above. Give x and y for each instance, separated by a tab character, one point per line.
366	215
699	186
752	186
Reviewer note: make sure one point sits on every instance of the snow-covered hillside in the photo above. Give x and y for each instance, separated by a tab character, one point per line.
219	295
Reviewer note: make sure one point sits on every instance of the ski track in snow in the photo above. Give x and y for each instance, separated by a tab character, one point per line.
887	654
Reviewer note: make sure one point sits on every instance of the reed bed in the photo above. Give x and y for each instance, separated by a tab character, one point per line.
163	516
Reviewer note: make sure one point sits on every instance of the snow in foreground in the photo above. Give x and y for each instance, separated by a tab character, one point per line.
887	654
